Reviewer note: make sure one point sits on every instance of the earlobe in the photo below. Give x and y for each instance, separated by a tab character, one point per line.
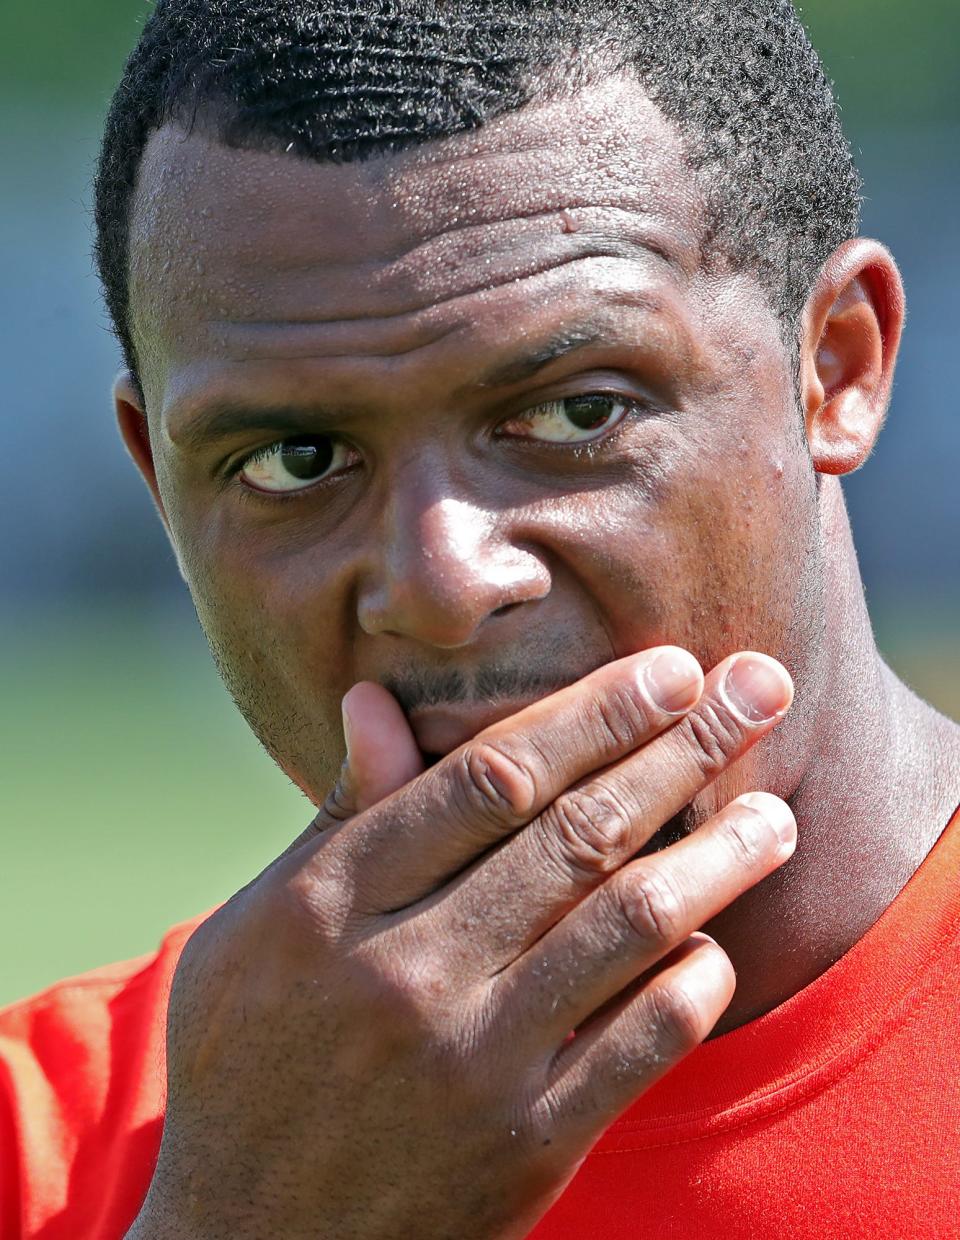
852	325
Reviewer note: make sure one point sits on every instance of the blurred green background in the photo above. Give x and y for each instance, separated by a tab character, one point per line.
132	795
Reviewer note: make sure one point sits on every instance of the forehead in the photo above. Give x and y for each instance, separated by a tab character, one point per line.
234	252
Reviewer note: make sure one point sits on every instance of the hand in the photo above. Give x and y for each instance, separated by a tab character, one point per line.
372	1039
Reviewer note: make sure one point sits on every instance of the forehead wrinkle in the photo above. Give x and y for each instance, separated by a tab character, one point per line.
386	336
431	210
262	200
294	341
614	253
318	296
362	293
472	238
410	197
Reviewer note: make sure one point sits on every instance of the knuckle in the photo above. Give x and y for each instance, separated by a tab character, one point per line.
313	904
590	828
623	716
492	785
679	1025
748	837
652	905
403	994
715	736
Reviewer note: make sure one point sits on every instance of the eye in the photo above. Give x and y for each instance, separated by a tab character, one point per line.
296	463
573	419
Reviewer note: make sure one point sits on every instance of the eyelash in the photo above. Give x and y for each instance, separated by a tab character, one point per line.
592	448
246	494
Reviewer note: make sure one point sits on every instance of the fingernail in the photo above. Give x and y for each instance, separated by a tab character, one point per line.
778	813
758	688
674	681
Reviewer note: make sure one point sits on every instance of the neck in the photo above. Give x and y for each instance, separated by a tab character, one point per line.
880	780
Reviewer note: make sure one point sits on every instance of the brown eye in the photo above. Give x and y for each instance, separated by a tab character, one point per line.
296	463
574	419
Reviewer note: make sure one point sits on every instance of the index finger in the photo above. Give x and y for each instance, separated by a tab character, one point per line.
407	845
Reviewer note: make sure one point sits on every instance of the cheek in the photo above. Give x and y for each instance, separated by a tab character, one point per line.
744	524
276	581
273	617
704	547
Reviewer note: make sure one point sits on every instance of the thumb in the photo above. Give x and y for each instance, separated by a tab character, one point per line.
382	754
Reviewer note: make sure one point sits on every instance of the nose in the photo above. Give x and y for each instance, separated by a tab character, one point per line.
443	568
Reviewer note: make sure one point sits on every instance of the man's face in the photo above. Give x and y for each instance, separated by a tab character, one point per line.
529	429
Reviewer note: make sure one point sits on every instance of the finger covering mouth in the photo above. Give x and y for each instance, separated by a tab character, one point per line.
441	728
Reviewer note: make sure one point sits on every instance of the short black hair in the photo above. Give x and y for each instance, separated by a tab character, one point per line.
346	80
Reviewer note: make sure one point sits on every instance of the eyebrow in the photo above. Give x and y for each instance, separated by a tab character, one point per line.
222	419
565	342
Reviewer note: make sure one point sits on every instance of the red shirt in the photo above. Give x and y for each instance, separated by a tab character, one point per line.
837	1115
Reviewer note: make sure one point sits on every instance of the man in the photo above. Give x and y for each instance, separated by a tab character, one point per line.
492	367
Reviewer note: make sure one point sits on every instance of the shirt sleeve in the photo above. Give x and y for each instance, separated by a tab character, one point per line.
82	1092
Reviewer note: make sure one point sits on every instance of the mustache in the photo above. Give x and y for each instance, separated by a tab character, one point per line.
415	688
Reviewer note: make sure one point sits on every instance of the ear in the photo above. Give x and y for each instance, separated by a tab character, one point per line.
135	433
851	333
132	421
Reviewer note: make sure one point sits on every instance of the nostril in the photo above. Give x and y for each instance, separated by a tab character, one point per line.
502	611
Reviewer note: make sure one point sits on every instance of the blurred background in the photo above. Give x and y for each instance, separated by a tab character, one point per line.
131	794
